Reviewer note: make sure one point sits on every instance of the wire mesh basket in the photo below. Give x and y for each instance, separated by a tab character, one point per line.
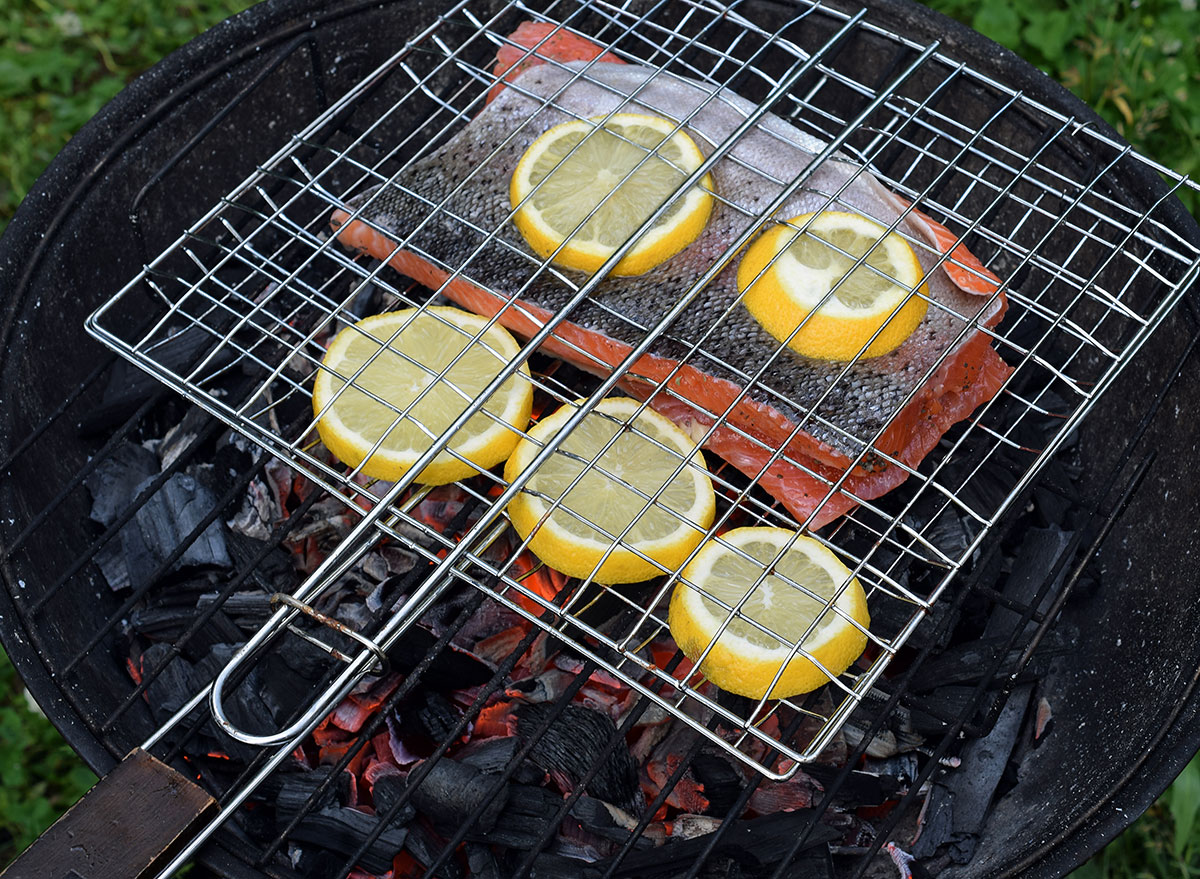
236	315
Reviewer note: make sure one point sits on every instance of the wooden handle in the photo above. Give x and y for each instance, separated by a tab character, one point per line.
132	819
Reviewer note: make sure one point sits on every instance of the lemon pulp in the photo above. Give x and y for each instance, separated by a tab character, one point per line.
579	163
809	588
612	494
403	353
814	285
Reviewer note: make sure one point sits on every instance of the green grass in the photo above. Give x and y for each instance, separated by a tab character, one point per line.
1136	62
40	775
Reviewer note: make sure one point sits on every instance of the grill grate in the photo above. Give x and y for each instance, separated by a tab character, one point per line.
254	287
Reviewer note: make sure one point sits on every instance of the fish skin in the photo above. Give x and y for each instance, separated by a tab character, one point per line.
840	414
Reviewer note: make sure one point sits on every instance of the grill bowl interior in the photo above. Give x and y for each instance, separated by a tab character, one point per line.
1124	700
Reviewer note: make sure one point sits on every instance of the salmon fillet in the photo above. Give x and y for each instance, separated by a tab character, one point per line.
868	421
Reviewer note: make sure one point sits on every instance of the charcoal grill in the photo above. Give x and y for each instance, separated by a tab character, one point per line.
1094	250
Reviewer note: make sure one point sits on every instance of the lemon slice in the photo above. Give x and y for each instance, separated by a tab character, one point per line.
746	657
352	421
645	455
799	282
574	185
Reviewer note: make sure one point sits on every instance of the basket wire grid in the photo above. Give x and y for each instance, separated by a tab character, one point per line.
252	292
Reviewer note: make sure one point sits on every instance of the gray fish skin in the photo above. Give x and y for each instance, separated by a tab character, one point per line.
441	206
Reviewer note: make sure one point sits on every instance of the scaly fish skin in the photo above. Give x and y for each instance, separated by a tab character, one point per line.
841	407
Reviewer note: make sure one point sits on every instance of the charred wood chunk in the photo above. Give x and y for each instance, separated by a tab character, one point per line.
113	484
451	669
298	793
492	756
438	716
345	830
454	792
721	781
425	846
387	791
607	821
549	866
573	743
754	845
523	821
481	862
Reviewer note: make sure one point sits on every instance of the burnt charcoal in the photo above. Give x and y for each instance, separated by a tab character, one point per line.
128	387
387	791
971	661
244	705
551	866
171	686
722	782
283	690
493	756
273	573
424	845
932	712
343	829
162	523
983	764
936	822
113	484
812	863
247	609
481	863
451	791
596	817
573	743
450	670
857	788
296	788
437	716
755	845
524	818
169	623
889	617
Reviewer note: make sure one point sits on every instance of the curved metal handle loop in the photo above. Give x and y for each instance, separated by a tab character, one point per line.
382	664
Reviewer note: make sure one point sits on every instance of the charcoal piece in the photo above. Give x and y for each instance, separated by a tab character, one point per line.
169	623
856	788
722	782
128	387
451	669
573	743
936	822
111	561
296	788
983	763
932	712
551	866
274	572
171	687
523	820
596	816
387	791
424	845
343	829
244	705
494	755
437	716
282	689
161	524
755	845
971	661
451	791
481	863
812	863
113	484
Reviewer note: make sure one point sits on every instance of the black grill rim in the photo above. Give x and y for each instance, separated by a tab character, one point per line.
82	164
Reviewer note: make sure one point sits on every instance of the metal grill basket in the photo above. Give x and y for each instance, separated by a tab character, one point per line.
233	314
